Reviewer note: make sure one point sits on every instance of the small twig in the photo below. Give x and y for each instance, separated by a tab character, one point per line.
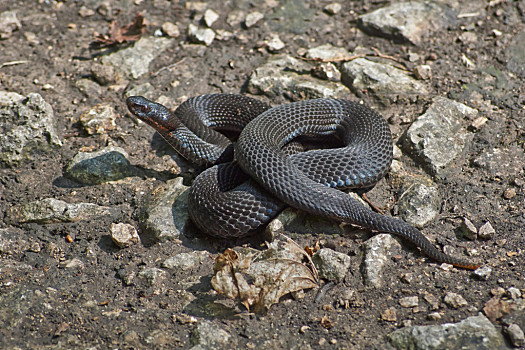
12	63
168	67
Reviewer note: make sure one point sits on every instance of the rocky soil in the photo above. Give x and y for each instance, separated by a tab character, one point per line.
96	251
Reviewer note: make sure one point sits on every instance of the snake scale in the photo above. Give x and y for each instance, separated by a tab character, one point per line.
248	182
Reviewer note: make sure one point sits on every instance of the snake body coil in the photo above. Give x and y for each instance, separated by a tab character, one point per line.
233	199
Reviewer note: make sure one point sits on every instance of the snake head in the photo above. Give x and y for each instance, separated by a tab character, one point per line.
150	112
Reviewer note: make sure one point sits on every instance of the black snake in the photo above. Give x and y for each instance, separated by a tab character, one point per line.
250	181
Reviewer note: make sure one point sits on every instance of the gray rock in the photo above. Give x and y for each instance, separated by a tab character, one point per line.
515	53
468	229
333	8
441	124
124	235
483	273
200	35
274	43
54	210
152	276
164	213
88	87
184	261
412	301
383	80
134	61
407	21
8	24
284	74
327	52
210	17
331	265
208	335
514	293
27	124
516	335
473	333
252	18
170	29
99	119
92	168
291	16
377	250
419	202
454	300
486	231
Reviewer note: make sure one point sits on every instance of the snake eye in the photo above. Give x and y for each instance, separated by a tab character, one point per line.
145	108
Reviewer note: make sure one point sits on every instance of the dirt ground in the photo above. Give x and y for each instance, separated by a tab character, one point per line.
48	306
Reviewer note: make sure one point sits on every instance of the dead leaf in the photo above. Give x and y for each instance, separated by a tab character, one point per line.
118	35
260	279
326	323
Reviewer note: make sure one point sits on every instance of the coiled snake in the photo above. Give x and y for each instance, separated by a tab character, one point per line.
250	181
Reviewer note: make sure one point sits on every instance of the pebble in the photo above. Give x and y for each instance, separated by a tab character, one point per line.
274	43
423	72
514	293
389	315
332	265
479	122
486	231
333	8
434	316
483	273
99	119
420	200
124	235
200	35
516	335
8	24
468	229
210	17
509	193
454	300
252	18
170	29
409	301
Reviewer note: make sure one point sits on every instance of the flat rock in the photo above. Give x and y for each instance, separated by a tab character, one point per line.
92	168
409	21
377	251
441	124
164	213
134	61
283	74
383	80
51	210
473	333
26	125
207	335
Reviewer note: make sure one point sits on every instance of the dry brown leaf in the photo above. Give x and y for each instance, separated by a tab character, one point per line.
118	35
260	279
